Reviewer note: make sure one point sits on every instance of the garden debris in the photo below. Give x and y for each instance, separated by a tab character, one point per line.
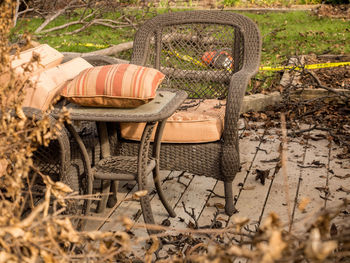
333	11
262	175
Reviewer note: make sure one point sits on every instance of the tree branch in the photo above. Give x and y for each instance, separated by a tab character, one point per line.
340	93
49	19
113	50
53	17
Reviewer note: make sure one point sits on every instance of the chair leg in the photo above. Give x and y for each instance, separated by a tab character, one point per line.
229	206
105	186
112	200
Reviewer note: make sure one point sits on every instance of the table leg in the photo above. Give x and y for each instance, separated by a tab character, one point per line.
87	168
142	176
156	173
105	152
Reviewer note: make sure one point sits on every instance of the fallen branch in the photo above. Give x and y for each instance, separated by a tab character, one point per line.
113	50
339	93
104	22
49	19
92	58
296	133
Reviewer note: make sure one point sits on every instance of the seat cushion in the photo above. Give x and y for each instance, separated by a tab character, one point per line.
120	86
49	83
196	121
49	57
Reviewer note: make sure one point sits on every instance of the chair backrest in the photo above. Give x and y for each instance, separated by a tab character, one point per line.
198	51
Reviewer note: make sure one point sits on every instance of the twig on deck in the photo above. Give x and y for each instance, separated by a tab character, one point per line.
259	149
296	133
215	194
191	214
284	167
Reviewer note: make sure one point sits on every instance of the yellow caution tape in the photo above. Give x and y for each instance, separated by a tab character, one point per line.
199	63
186	58
84	44
311	66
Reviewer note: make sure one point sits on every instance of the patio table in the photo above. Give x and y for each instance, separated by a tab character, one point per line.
138	167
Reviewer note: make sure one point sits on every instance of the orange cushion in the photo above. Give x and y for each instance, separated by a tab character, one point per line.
49	57
50	83
200	123
121	86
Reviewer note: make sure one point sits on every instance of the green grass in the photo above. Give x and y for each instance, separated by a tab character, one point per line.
284	34
297	33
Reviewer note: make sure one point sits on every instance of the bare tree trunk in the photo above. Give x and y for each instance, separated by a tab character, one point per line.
16	13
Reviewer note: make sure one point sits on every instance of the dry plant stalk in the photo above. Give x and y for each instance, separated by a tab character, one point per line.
42	234
284	168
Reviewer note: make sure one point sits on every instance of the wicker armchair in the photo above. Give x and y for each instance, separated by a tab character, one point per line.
175	43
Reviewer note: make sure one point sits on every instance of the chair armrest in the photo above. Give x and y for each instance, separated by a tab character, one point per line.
230	146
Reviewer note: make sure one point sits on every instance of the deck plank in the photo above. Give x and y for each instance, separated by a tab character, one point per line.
174	187
131	208
279	197
215	201
339	184
97	219
251	200
314	179
193	199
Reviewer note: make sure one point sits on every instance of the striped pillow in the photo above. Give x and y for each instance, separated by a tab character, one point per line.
120	86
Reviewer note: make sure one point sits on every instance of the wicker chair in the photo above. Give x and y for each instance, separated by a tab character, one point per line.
175	43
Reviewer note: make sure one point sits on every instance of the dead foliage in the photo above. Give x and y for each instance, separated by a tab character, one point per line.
333	11
36	232
88	13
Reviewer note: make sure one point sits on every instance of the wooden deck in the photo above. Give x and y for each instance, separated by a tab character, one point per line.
314	173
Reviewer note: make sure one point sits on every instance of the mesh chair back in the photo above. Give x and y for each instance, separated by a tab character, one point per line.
197	50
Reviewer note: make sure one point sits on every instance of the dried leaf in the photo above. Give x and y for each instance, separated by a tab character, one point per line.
152	249
274	249
13	231
219	205
240	222
67	230
316	249
59	186
303	203
241	252
139	194
3	166
127	223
